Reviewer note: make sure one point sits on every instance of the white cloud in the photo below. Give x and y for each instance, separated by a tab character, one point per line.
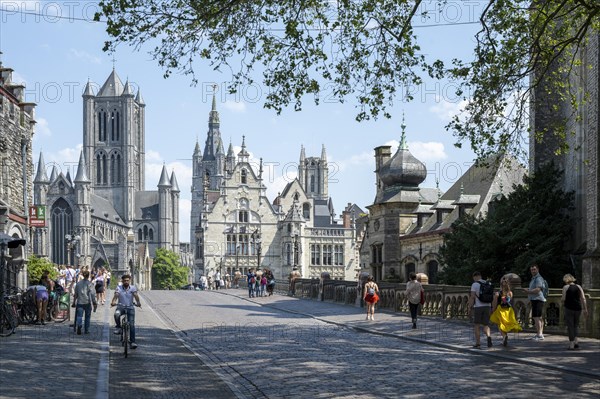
427	152
235	106
275	187
42	127
153	156
446	110
84	55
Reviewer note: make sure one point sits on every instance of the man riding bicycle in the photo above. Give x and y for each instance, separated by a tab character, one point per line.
124	295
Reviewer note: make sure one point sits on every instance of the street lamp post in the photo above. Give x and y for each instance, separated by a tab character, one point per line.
257	245
72	241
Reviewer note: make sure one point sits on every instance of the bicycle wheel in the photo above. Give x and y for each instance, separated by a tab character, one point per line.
7	322
125	339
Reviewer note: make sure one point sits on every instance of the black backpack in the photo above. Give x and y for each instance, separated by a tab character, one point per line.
486	291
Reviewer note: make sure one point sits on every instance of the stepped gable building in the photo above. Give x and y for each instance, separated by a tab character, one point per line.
235	227
581	164
105	216
406	222
17	123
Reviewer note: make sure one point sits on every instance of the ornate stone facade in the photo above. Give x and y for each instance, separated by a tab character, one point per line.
235	227
103	216
17	122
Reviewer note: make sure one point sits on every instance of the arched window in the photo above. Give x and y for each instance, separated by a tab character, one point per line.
140	237
118	124
312	184
112	125
306	211
244	176
432	271
151	234
113	168
145	233
119	169
62	224
408	269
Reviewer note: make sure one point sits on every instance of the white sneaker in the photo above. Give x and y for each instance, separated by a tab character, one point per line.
373	317
540	337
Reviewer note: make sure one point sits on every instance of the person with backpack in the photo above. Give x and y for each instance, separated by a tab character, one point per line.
573	300
535	293
480	302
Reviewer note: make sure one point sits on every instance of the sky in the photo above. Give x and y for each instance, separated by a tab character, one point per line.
55	49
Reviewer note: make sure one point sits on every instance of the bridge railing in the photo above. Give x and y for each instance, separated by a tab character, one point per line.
451	302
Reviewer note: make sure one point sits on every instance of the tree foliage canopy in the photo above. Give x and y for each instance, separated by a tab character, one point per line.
36	266
529	225
367	49
167	272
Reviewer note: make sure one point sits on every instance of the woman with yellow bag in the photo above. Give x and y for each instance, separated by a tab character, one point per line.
503	314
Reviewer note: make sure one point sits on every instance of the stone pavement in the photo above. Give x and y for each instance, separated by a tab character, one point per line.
50	360
552	353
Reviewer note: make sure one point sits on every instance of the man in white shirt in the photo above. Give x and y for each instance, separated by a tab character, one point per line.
479	311
125	293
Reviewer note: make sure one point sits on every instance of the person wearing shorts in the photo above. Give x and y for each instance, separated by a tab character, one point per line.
41	300
480	312
536	297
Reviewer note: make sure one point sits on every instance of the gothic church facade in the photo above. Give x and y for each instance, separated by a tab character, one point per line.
104	216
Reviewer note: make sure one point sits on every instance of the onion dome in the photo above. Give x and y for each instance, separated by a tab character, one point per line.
403	169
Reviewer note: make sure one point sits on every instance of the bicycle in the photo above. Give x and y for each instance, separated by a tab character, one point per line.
125	336
8	317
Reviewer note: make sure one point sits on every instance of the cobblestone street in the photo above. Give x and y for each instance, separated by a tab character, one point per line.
219	344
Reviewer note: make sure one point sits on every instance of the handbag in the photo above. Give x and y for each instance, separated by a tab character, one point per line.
422	297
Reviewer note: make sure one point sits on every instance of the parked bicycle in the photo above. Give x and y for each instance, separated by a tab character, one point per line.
9	319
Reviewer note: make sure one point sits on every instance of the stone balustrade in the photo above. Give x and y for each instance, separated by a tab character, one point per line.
450	302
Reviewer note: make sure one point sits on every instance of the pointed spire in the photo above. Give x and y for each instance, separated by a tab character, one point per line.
260	169
243	154
113	87
174	185
437	187
68	177
81	176
213	117
139	99
164	178
230	150
53	174
88	92
302	154
197	149
41	176
403	145
323	154
127	91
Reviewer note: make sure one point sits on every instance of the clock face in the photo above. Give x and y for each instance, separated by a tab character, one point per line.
376	225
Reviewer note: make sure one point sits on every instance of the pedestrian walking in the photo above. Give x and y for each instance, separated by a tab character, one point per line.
573	300
83	300
503	313
100	286
217	280
263	284
251	278
536	297
270	282
413	292
479	309
371	297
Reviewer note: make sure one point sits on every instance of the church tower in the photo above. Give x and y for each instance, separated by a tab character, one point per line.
114	144
209	167
313	175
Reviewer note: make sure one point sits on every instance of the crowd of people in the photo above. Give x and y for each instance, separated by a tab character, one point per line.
260	282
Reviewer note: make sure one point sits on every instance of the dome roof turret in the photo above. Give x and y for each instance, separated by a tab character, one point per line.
403	169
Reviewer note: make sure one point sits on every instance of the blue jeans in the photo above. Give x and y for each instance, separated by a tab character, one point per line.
250	290
130	316
79	310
